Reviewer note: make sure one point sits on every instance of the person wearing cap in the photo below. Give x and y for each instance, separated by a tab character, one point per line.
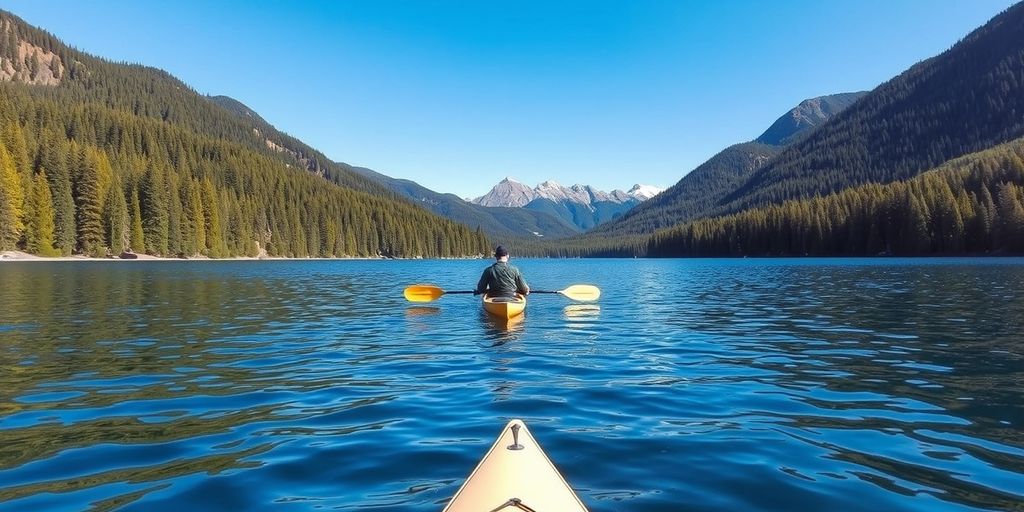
502	279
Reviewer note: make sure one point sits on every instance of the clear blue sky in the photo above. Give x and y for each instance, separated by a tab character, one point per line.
457	95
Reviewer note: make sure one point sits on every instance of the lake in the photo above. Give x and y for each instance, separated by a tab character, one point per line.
800	384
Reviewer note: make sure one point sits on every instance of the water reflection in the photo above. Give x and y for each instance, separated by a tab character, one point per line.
502	330
581	311
418	311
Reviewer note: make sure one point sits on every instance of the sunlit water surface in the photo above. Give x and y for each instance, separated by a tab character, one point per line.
692	385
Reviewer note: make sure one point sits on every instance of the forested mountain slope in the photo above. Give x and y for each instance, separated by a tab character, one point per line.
970	205
98	157
702	189
964	100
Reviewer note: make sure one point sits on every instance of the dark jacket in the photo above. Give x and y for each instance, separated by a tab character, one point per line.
502	280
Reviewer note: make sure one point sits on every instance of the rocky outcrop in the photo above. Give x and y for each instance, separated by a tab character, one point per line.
24	62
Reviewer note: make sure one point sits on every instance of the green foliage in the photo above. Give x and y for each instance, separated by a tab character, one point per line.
701	190
916	217
964	100
39	226
136	236
115	219
153	197
201	178
52	156
88	203
12	202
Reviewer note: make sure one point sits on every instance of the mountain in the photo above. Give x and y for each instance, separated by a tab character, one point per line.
644	192
99	157
511	193
964	100
582	206
496	222
970	205
805	116
701	189
507	193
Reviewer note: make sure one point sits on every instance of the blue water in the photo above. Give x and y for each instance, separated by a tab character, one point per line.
691	385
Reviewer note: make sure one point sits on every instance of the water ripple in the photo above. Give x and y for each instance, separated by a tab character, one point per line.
693	384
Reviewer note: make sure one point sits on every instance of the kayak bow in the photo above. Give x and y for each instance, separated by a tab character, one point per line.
515	475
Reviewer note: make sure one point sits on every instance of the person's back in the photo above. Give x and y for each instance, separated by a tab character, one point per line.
502	279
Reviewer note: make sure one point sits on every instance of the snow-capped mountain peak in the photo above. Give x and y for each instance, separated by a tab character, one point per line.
510	192
644	192
581	205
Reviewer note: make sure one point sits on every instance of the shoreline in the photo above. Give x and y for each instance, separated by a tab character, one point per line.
20	256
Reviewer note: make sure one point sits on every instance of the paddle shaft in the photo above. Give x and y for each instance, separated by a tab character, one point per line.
430	293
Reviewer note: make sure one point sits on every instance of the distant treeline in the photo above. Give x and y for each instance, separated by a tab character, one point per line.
971	205
628	246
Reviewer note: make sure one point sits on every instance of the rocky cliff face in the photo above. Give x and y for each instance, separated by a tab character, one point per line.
21	61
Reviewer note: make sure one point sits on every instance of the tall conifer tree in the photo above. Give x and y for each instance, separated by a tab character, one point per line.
116	220
136	236
154	211
12	202
88	205
39	226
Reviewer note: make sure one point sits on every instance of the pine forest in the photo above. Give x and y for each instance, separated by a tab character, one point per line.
121	157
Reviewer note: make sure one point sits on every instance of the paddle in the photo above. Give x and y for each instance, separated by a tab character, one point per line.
430	293
427	293
580	292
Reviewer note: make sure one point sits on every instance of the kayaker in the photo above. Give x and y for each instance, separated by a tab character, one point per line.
502	279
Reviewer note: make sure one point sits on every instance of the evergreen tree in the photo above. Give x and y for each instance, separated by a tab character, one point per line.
39	236
8	233
12	202
154	212
196	221
1010	227
14	140
211	215
88	206
136	236
175	217
52	158
115	219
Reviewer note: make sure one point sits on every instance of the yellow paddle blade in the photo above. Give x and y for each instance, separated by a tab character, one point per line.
423	293
582	292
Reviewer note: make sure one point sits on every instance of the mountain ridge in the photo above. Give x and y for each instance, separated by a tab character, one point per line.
701	189
510	192
963	100
582	206
496	222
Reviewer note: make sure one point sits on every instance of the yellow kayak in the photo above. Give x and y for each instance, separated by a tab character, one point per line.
515	475
505	307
